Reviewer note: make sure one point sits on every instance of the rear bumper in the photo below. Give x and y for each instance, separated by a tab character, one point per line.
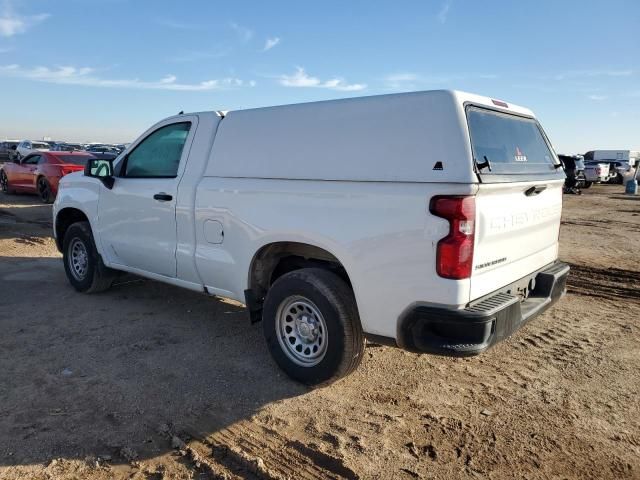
481	324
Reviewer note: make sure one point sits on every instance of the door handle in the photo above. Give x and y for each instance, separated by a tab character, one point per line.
535	190
163	197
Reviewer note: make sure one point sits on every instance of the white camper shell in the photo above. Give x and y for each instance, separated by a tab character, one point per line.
426	220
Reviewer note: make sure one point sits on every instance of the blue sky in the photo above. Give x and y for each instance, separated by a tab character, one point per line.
105	70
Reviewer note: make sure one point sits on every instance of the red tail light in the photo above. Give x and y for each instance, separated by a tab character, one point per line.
454	258
67	170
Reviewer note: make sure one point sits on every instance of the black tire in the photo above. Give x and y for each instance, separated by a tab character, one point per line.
587	184
334	300
44	190
4	183
95	277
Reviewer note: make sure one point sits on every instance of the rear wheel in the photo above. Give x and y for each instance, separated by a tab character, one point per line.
587	184
4	183
44	190
82	263
312	327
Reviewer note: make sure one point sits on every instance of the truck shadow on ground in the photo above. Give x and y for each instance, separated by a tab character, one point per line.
110	374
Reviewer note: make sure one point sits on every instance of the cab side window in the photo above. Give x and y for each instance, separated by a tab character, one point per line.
32	160
158	155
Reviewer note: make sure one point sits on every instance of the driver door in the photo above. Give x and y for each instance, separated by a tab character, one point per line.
137	217
25	172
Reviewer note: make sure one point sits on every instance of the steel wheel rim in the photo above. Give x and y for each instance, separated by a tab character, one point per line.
43	188
4	182
78	259
302	331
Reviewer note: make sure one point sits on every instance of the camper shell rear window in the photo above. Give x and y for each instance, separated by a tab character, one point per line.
507	144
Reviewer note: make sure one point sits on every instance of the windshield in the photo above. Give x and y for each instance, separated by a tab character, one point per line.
509	143
74	159
40	145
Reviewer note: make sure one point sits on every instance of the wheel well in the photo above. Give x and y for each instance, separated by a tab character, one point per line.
276	259
65	218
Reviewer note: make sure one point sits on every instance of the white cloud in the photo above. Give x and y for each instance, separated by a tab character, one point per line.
270	43
597	98
409	80
85	76
301	79
244	33
593	73
12	23
444	11
401	80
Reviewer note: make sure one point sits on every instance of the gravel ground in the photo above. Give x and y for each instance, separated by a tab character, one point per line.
148	381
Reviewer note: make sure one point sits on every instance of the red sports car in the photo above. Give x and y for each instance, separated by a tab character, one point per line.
40	172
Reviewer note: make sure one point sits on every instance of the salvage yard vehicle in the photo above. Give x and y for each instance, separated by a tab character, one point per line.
7	148
26	147
67	147
596	172
425	220
40	173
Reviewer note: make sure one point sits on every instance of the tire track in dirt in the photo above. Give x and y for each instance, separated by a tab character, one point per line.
603	223
570	339
567	342
610	283
249	451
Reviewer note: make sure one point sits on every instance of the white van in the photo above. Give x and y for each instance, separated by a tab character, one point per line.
424	220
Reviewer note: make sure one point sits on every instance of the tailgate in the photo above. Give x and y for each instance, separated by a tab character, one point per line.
517	228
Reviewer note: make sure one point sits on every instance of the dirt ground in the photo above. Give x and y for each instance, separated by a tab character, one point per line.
148	381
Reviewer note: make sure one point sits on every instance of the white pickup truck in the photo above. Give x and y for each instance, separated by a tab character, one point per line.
597	172
424	220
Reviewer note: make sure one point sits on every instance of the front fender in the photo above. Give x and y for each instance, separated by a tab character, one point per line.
75	191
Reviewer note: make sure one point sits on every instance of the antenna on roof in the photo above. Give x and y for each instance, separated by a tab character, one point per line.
181	112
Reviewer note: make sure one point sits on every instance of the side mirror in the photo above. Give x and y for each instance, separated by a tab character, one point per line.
100	169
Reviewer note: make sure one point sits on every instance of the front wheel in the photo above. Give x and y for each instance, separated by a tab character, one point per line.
312	328
82	263
587	184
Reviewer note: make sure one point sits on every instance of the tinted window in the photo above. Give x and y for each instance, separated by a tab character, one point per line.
31	160
512	144
159	154
74	159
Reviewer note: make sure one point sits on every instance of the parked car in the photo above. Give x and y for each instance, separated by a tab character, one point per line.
424	220
618	170
596	172
40	172
104	156
102	149
67	147
7	148
26	147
